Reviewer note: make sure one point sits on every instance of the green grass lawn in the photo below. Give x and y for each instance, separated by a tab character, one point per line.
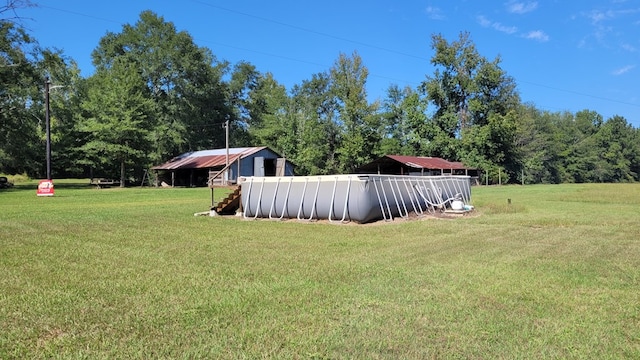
131	273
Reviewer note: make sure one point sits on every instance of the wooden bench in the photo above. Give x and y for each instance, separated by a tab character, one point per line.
100	183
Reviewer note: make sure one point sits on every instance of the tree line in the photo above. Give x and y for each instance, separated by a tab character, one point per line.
156	94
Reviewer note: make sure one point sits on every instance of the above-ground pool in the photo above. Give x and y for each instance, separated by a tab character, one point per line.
359	198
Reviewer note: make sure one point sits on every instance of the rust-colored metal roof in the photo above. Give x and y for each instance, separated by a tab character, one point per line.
206	158
420	162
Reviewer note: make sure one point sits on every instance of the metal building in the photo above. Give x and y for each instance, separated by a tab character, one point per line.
221	166
416	165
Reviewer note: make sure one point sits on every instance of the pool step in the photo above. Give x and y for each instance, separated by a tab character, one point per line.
230	204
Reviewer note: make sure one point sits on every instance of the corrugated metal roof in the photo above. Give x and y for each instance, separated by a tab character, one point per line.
420	162
207	158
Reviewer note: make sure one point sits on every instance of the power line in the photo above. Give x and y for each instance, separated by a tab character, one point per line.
267	53
579	93
311	31
81	14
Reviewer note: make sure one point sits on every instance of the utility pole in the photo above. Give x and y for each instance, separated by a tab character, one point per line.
47	91
47	83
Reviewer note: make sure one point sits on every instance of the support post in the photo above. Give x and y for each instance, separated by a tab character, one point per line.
226	131
238	174
240	209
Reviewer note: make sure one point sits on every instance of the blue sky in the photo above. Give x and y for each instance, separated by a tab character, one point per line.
564	55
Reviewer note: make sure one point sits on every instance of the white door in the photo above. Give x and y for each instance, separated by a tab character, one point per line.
258	166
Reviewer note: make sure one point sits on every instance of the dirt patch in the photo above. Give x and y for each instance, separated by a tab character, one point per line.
438	215
49	336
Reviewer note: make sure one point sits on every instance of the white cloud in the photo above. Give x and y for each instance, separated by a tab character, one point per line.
505	29
538	35
521	7
484	22
611	26
623	70
435	13
629	48
598	16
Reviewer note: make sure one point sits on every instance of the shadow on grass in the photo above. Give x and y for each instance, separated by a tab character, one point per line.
62	184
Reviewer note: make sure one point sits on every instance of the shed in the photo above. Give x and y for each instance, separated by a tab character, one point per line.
202	168
416	165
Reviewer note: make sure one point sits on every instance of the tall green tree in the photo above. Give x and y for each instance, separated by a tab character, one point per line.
406	126
394	118
314	110
492	146
245	78
538	145
453	87
24	67
118	127
183	80
421	132
269	124
619	151
21	102
475	98
358	119
580	155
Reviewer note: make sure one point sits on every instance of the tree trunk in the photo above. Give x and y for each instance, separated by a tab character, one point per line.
122	174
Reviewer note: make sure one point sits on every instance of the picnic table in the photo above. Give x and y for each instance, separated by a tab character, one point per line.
102	182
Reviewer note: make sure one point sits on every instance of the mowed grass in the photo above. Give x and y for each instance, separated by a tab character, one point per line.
131	273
